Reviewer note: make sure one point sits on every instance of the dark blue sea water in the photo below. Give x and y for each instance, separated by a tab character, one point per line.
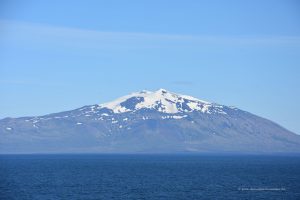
149	177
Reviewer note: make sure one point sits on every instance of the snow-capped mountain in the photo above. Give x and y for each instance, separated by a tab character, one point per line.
159	121
162	101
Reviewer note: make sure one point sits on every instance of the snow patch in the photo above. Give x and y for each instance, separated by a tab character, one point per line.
179	117
145	118
174	116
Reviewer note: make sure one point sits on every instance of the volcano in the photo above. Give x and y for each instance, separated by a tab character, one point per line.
147	122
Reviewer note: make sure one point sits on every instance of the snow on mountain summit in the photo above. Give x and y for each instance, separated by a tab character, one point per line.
162	101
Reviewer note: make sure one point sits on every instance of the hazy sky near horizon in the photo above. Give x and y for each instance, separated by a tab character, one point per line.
61	55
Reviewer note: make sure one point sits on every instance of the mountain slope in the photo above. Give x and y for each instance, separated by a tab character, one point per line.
148	122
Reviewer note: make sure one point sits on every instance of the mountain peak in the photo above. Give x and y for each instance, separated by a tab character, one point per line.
163	101
161	90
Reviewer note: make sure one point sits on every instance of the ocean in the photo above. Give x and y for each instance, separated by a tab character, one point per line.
88	176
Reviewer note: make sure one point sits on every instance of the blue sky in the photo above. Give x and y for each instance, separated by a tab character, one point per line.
60	55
